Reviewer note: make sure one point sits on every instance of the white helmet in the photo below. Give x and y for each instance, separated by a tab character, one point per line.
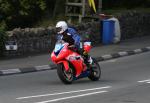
61	26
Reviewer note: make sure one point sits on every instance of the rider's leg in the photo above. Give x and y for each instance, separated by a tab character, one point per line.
88	58
84	54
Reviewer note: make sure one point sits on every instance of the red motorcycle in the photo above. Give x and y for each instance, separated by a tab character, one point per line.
71	65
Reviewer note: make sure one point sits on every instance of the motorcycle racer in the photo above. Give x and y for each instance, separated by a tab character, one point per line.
67	34
71	36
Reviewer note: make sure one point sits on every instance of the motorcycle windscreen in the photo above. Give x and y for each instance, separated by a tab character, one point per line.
58	48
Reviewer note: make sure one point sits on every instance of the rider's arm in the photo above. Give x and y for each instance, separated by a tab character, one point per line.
68	38
75	36
59	37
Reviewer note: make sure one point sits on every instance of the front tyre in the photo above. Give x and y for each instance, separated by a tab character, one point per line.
95	71
65	77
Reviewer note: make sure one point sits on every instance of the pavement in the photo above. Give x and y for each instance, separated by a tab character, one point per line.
101	52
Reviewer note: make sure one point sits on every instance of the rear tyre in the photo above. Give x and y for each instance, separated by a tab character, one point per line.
65	77
95	71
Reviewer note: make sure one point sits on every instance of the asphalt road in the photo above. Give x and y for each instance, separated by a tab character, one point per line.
123	80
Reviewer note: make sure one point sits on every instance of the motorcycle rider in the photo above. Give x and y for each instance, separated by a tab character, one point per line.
67	34
70	36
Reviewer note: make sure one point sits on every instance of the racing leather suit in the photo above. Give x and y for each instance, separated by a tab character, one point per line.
70	36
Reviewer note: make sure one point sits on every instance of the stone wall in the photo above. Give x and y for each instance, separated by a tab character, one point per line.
134	24
31	40
40	40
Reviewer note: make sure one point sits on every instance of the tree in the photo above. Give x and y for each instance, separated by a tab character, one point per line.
20	12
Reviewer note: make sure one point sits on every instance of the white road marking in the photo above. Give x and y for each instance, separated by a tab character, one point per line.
148	47
77	91
123	53
43	67
137	50
148	80
76	96
107	56
10	71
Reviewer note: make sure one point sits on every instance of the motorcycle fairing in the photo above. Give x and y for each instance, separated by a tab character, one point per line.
77	62
65	63
62	54
87	46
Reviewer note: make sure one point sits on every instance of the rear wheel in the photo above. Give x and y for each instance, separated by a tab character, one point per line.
95	71
65	76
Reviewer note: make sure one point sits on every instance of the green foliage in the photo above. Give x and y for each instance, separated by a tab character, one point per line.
28	6
3	38
26	13
17	13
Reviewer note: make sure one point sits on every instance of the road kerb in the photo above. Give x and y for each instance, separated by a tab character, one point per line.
51	67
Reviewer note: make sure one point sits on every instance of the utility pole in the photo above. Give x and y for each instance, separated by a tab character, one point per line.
99	6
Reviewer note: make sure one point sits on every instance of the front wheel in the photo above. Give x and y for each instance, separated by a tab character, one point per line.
65	76
95	71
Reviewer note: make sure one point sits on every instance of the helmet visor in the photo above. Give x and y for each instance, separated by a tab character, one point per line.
58	29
